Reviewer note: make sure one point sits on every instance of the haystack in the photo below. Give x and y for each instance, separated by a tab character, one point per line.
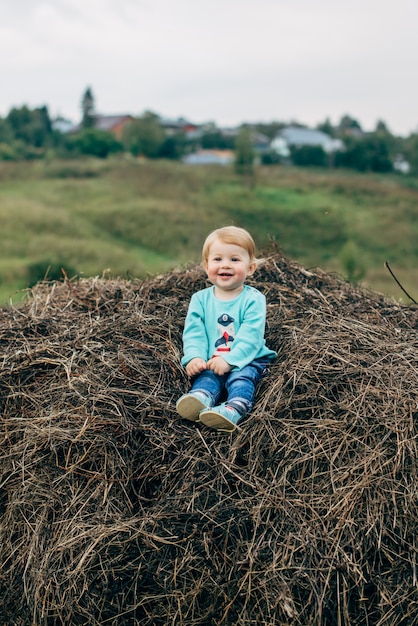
116	512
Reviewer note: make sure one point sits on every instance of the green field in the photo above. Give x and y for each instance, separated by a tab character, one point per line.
132	219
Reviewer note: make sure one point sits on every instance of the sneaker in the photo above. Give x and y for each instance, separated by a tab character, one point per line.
191	404
222	417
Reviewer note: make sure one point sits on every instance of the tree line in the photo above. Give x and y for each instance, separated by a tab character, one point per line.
27	133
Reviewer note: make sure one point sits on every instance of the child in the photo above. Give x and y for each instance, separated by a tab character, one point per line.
223	338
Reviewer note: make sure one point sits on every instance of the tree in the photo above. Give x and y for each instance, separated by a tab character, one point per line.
244	155
87	109
33	127
144	136
410	151
173	146
348	125
6	133
366	154
326	127
381	127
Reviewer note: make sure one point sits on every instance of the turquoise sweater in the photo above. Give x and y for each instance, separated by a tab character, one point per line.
233	329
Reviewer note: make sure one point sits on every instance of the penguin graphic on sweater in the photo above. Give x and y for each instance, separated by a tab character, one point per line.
226	332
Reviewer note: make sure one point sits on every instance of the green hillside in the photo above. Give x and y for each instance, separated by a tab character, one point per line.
129	218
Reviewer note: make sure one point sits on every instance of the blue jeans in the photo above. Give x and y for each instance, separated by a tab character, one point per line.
239	386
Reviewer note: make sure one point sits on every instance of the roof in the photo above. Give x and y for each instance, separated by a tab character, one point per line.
297	136
179	123
260	141
107	122
208	157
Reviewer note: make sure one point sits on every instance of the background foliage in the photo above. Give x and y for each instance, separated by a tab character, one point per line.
31	134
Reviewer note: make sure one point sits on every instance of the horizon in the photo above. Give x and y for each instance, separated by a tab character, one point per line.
290	122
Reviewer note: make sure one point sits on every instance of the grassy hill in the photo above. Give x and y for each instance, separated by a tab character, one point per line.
132	219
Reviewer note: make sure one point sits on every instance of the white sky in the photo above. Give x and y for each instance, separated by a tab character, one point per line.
227	61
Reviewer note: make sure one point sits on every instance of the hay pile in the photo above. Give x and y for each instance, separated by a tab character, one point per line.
115	512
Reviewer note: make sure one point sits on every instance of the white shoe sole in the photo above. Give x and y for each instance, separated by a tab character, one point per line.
217	421
189	407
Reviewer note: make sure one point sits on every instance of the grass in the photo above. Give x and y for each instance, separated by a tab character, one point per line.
136	219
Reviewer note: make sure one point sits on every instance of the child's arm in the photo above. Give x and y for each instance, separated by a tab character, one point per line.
195	342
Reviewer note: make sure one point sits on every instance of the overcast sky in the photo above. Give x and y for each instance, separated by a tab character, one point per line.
227	61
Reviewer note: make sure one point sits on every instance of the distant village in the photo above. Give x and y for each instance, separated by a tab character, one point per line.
31	134
280	144
209	144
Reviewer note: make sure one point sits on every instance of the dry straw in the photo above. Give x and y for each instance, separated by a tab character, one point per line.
115	512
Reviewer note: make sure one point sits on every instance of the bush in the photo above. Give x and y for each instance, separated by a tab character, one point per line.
144	136
7	153
368	154
95	142
173	147
270	158
310	156
352	262
46	269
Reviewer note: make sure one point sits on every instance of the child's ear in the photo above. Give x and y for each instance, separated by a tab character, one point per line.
252	268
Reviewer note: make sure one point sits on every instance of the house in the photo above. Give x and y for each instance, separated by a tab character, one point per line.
209	157
260	142
110	123
192	131
228	132
113	123
297	137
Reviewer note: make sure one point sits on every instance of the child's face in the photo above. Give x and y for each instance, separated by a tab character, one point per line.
228	266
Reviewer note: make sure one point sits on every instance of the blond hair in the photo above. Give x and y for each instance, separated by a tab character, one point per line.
230	234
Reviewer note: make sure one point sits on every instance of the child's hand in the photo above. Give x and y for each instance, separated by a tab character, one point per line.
219	366
195	366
